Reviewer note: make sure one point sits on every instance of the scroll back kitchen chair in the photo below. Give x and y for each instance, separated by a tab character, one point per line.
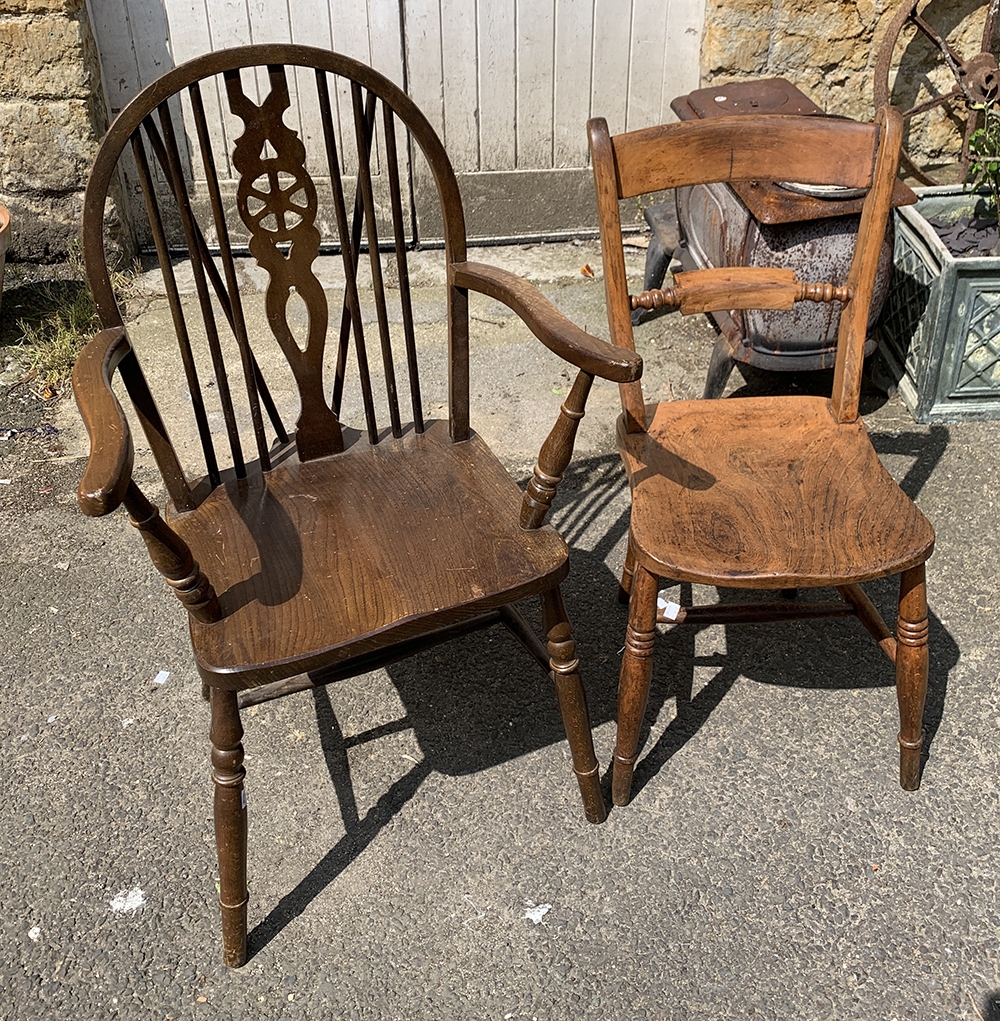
761	492
316	552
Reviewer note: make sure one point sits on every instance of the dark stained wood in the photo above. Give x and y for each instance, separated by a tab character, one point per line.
775	493
228	774
547	323
229	296
555	454
173	294
109	467
363	136
565	673
402	269
172	558
287	566
319	560
277	201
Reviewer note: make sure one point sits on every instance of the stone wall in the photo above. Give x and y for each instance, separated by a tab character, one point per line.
51	118
828	50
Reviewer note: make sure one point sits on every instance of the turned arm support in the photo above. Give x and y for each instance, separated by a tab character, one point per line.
107	480
109	466
709	290
547	323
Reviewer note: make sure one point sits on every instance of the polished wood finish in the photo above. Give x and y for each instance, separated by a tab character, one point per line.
228	775
337	548
768	493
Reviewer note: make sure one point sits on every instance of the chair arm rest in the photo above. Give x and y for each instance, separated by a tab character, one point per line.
547	323
109	467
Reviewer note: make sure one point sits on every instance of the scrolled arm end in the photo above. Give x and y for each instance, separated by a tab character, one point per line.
109	466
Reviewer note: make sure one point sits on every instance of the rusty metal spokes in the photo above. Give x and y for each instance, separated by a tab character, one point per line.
977	79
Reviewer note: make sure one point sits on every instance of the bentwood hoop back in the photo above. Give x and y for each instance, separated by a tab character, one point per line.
319	523
782	493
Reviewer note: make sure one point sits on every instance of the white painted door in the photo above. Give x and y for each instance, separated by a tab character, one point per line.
508	84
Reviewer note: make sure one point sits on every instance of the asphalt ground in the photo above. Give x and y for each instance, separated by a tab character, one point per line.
417	846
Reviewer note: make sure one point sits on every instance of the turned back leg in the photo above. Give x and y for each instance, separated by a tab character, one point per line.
911	673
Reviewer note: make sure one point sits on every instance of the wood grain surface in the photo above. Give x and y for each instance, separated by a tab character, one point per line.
306	559
766	492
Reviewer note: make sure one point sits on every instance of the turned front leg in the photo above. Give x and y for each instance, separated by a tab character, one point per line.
911	673
633	683
230	824
565	674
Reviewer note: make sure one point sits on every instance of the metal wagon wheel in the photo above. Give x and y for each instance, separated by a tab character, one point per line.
977	79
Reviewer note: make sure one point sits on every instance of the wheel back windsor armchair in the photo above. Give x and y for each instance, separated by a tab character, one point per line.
309	552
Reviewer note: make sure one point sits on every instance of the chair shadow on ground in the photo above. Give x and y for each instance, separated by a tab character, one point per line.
989	1009
480	700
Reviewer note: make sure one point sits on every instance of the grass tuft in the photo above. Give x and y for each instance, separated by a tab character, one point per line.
53	320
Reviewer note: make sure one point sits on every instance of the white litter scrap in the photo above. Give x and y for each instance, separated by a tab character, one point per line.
668	606
128	902
536	912
34	934
161	677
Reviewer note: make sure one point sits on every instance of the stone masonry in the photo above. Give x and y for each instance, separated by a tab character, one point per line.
51	118
828	49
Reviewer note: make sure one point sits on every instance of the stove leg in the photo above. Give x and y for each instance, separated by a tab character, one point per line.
720	368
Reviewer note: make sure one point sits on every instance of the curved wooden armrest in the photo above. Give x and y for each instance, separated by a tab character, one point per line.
547	323
109	467
709	290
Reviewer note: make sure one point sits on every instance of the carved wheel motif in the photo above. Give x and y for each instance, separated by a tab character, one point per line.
277	201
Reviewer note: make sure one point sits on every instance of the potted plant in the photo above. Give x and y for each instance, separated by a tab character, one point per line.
941	321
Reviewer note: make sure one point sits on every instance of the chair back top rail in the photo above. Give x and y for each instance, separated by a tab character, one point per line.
812	150
277	201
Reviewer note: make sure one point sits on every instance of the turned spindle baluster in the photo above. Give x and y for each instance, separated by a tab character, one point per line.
555	455
172	558
795	290
822	293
